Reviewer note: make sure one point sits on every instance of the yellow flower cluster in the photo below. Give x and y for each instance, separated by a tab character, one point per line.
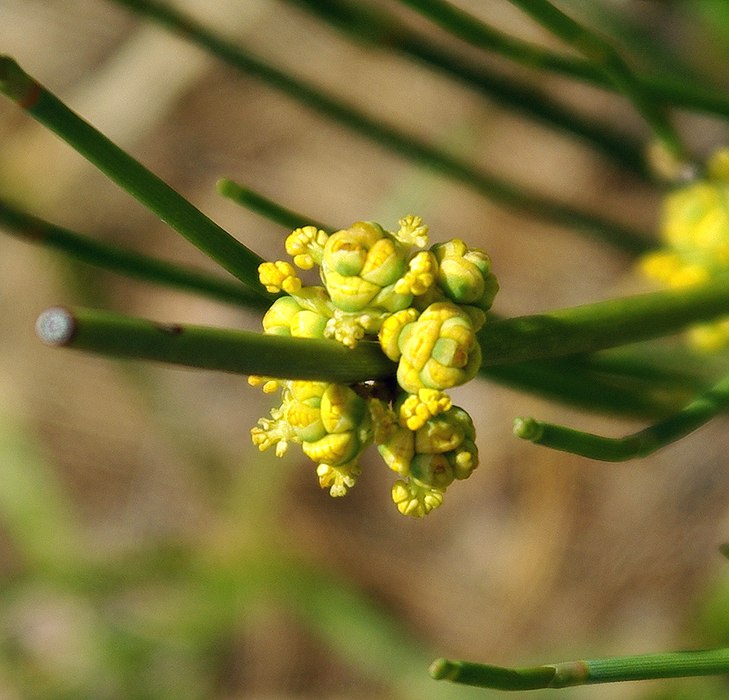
424	307
695	233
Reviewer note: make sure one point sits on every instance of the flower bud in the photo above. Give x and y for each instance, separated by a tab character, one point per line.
358	262
439	349
464	274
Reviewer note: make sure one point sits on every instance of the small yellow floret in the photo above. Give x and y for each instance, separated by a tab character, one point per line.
279	276
412	231
418	408
421	275
306	246
338	479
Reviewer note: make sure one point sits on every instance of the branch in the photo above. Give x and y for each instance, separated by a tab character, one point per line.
131	175
572	673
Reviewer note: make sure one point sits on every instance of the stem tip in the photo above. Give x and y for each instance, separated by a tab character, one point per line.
55	326
527	429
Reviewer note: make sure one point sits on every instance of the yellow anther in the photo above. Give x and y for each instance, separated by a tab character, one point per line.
279	276
270	385
419	408
338	479
421	275
306	246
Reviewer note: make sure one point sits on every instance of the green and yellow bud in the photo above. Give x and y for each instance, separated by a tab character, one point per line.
342	409
334	448
414	499
439	349
464	274
358	262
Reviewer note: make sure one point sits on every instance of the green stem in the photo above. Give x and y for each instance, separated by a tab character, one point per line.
121	260
204	347
583	382
606	324
129	174
382	29
603	54
507	194
563	332
267	208
639	444
478	33
591	671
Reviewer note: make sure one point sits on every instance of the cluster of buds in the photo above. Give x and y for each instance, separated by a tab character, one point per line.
695	233
424	307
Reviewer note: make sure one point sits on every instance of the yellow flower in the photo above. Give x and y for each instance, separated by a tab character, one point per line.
418	408
338	479
279	276
306	246
412	231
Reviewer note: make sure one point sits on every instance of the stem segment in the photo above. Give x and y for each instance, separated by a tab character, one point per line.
204	347
131	175
604	55
639	444
583	329
506	193
121	260
267	208
573	673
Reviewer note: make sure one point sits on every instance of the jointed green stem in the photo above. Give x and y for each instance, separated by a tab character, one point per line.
600	51
478	33
204	347
606	324
508	194
573	673
149	189
267	208
638	444
124	261
383	29
505	342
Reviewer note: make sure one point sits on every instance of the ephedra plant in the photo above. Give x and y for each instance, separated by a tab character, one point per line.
369	326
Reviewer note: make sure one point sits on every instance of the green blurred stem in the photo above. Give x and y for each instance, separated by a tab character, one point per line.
225	350
258	203
121	260
478	33
605	324
507	194
573	673
129	174
603	54
384	30
505	342
639	444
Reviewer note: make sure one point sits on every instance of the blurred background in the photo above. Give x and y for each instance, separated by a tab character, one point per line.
147	550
